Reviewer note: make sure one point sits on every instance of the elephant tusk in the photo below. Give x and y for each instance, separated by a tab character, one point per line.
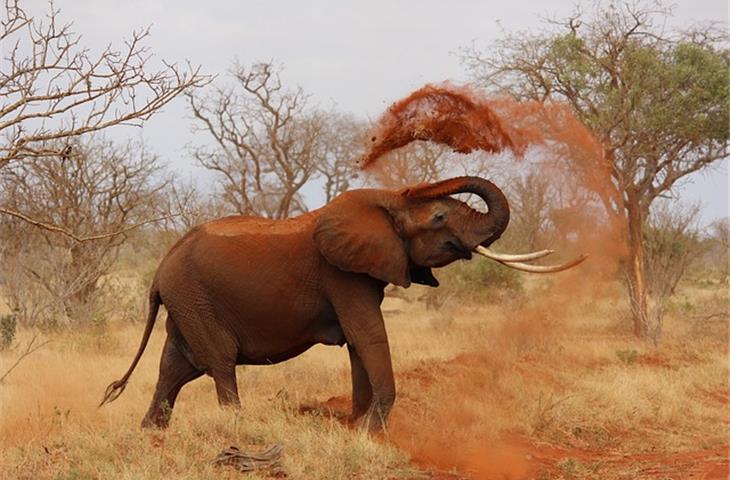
544	268
506	257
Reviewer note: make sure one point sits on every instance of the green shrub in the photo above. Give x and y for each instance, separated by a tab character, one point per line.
476	280
627	357
8	326
481	274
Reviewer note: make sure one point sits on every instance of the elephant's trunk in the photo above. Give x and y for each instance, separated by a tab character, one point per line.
481	228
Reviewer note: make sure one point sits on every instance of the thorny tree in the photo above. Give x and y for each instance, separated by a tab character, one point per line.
658	104
97	187
53	89
267	143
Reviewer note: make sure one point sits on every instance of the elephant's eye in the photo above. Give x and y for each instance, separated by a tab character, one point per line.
439	218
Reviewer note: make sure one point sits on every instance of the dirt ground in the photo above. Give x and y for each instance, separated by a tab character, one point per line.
520	390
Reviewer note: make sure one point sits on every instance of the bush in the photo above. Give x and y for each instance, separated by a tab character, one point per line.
8	325
477	280
627	357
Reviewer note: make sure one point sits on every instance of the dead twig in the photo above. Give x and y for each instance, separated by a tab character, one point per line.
249	462
29	349
711	316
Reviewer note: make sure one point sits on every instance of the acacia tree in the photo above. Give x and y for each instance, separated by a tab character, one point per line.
53	89
657	102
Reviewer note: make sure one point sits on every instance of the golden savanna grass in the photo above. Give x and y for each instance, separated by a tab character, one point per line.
553	387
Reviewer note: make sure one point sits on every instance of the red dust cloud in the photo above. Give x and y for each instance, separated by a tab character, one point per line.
447	115
466	121
564	150
587	216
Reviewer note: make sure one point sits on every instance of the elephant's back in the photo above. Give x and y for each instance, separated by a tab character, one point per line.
243	263
242	226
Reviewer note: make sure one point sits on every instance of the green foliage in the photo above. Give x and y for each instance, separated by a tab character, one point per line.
476	280
627	357
659	89
658	101
480	274
8	326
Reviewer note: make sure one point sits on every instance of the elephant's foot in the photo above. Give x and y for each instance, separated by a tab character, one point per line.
158	417
375	418
358	411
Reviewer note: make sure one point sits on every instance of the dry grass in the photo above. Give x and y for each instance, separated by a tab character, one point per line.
548	388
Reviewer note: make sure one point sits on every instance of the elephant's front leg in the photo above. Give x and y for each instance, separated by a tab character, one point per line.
376	360
361	320
362	391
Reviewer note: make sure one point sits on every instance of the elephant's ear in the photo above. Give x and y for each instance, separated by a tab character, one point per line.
362	239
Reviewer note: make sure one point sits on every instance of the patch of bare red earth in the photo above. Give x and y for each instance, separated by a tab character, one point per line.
512	456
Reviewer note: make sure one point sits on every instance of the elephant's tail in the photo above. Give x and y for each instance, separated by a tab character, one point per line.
116	388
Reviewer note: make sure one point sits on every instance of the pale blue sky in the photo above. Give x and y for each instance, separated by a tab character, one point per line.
357	56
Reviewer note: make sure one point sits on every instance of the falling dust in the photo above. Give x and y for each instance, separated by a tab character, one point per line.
557	144
471	428
448	115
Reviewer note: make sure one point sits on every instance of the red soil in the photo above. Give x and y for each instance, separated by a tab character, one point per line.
438	446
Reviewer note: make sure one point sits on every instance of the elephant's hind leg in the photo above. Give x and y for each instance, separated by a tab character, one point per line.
175	372
225	385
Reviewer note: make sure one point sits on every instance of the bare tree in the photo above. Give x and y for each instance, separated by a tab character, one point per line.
721	232
344	144
656	101
53	89
267	142
415	163
186	206
718	251
97	186
671	242
532	202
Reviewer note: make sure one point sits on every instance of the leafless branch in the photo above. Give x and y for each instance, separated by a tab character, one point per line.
268	143
52	88
29	349
69	234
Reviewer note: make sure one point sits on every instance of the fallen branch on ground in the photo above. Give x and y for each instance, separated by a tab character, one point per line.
249	462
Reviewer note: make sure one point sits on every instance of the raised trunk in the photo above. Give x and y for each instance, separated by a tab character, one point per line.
483	228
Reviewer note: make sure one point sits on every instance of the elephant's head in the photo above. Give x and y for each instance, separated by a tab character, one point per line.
398	236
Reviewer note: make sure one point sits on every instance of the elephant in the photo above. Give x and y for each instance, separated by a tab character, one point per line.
244	290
